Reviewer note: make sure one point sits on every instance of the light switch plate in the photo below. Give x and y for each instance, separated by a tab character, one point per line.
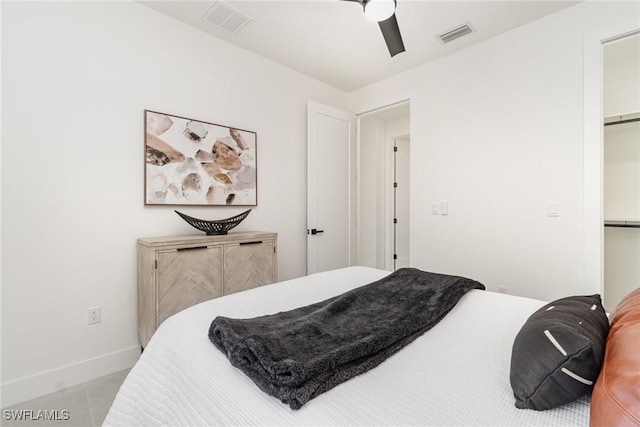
435	208
553	209
444	207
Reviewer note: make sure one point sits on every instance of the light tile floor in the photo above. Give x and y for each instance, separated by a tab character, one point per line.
87	405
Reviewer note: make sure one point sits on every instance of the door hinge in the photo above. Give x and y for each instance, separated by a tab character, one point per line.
395	149
156	264
395	185
395	220
395	256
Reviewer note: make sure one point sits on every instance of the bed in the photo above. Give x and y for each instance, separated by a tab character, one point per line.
455	374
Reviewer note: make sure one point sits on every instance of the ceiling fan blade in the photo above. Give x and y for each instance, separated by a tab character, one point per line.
391	34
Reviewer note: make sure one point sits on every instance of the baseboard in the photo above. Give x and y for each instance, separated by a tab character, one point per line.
44	383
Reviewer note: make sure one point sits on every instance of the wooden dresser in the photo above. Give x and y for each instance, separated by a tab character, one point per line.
177	272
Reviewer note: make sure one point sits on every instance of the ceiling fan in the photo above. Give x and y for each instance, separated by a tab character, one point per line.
384	12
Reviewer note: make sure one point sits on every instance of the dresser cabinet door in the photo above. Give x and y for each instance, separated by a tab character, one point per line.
248	265
186	277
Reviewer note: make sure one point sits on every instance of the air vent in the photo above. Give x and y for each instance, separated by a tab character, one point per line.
227	17
455	33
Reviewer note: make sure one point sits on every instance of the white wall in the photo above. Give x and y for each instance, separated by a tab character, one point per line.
76	77
371	196
622	172
621	77
500	134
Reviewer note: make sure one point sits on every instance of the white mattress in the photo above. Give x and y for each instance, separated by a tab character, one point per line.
455	374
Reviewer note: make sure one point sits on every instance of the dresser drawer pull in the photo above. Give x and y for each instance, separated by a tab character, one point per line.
191	249
257	242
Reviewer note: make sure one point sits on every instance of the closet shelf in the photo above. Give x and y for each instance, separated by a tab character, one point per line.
622	223
621	119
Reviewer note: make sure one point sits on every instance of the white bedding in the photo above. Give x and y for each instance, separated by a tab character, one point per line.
455	374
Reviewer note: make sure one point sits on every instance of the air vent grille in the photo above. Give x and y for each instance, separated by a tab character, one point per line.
227	17
455	33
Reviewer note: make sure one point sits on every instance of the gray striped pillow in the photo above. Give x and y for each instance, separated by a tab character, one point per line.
557	354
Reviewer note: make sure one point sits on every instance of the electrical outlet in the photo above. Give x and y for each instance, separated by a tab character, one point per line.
502	289
94	315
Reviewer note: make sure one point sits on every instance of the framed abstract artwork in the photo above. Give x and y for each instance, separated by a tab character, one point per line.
191	162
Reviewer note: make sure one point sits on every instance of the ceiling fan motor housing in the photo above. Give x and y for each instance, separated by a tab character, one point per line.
379	10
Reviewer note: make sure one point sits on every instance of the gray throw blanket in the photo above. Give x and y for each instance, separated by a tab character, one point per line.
299	354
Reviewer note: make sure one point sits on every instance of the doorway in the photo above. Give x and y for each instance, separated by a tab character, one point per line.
621	167
384	175
593	261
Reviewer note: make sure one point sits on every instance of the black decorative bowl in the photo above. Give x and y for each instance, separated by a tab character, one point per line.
217	226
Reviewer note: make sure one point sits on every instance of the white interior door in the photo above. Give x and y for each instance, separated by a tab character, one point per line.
402	216
331	160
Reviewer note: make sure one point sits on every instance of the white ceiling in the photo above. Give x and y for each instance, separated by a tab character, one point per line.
332	41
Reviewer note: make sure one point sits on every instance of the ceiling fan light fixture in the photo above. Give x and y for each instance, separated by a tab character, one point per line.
379	10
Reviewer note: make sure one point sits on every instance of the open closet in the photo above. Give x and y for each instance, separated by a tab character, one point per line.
621	169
